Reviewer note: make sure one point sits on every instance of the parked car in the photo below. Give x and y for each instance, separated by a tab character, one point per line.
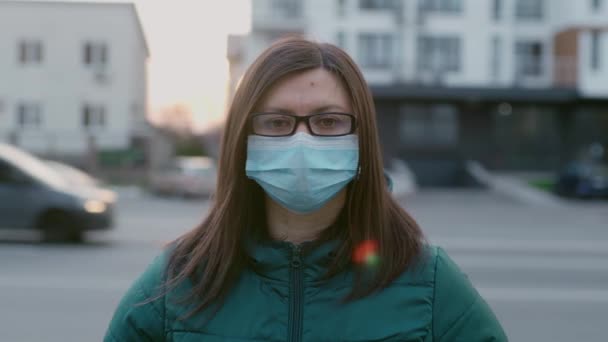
402	180
33	195
583	179
186	177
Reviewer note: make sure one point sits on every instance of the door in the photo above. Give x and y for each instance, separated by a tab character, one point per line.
17	210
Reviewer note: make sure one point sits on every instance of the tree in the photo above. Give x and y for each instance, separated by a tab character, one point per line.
177	120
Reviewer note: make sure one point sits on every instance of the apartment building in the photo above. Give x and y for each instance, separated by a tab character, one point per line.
529	78
72	76
446	42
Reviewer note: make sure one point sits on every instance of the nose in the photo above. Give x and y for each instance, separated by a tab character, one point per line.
302	127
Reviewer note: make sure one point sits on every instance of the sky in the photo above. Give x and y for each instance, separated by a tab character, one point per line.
187	65
187	41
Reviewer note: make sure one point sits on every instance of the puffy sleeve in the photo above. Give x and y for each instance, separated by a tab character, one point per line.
459	312
137	318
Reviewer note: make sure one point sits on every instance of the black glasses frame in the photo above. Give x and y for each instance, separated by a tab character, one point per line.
306	119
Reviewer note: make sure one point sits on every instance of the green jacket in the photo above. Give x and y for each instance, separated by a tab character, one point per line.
281	299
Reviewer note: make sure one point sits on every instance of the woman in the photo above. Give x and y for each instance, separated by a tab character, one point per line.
303	241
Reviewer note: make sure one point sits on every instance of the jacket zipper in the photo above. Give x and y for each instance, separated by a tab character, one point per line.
295	298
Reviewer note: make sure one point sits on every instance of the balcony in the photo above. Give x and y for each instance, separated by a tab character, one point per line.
278	16
565	73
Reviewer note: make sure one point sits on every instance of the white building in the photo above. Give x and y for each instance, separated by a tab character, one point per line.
515	84
463	43
72	76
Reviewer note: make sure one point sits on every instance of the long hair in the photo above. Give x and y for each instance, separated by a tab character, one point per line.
212	255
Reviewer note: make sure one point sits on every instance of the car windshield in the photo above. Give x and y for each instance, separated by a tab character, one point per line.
195	165
72	174
31	166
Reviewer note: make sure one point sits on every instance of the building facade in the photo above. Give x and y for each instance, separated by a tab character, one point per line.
474	43
516	84
72	76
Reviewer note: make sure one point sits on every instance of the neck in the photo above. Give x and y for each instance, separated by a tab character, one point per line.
286	225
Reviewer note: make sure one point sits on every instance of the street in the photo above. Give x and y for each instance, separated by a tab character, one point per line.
544	270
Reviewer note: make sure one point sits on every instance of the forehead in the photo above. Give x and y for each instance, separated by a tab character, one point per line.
306	90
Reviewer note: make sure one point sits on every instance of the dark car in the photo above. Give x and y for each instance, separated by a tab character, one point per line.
36	196
583	179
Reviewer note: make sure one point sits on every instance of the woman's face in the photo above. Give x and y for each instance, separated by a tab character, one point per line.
310	92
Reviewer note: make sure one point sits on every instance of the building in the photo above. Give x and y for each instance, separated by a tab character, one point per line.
73	77
515	84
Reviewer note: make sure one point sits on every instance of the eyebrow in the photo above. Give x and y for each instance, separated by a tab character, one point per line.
322	109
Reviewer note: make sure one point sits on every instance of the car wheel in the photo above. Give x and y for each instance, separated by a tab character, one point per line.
58	227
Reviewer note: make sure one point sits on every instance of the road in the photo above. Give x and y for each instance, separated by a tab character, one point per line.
544	270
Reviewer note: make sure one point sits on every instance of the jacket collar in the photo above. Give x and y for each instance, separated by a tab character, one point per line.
275	259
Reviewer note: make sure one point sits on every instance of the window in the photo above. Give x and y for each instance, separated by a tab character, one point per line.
29	115
441	6
529	9
495	59
341	39
439	53
30	52
287	8
496	9
9	174
341	5
529	58
95	54
595	50
93	116
377	4
429	124
375	50
596	5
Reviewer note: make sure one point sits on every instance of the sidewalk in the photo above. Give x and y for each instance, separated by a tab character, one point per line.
127	191
513	185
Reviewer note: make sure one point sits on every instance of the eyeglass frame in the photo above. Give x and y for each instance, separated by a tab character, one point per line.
305	119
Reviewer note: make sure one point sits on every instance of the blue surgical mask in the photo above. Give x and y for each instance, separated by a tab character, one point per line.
302	172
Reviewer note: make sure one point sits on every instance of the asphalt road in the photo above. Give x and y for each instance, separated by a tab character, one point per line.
544	270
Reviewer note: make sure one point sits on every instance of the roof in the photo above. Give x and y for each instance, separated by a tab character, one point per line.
128	5
475	94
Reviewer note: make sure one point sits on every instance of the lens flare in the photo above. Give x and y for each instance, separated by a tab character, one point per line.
366	253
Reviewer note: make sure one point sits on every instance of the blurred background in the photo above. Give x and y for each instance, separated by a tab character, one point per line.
493	117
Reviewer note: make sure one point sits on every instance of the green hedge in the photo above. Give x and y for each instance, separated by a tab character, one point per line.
120	157
543	184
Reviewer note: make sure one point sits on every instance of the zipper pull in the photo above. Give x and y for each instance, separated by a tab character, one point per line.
296	262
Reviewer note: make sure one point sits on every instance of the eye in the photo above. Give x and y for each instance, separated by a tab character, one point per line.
278	123
330	121
327	122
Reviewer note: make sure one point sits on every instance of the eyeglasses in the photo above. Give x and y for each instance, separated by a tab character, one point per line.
321	124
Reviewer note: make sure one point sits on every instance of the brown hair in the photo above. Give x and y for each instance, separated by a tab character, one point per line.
370	211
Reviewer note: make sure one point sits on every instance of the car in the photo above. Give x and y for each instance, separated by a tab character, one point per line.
188	177
401	180
79	178
35	196
583	179
72	174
